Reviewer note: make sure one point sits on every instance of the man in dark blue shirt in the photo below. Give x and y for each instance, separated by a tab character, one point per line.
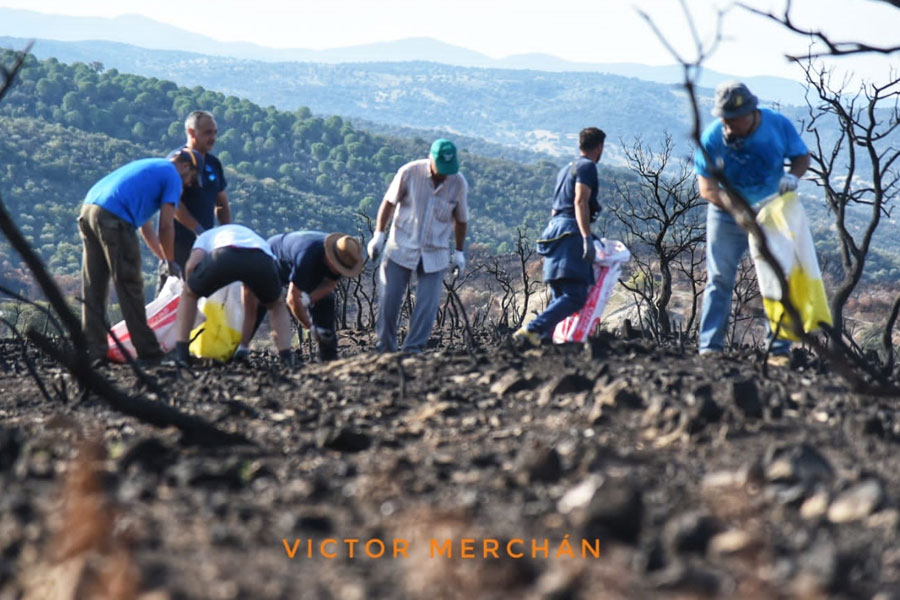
310	264
567	243
202	205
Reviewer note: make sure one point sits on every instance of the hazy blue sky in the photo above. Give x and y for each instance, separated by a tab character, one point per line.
578	30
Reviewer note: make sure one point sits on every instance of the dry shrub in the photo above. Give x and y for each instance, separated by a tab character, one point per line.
87	558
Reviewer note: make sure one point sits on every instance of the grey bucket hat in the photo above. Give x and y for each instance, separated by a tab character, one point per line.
733	100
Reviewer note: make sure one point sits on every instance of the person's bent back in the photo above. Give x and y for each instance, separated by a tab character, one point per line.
224	255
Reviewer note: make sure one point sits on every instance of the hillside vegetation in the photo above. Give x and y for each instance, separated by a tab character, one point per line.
65	126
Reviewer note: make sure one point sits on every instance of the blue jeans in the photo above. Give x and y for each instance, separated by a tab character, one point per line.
726	243
568	296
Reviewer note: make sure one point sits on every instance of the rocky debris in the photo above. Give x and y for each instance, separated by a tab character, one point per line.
745	396
149	454
732	542
797	464
702	409
857	502
617	394
570	383
342	439
514	381
689	579
615	512
689	533
540	465
10	446
580	495
697	482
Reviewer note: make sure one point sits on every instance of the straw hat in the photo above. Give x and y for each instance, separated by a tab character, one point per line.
344	252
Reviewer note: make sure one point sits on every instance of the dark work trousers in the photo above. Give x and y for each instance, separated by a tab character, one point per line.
322	316
111	250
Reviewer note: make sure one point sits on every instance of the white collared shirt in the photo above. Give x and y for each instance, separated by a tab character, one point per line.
424	216
231	235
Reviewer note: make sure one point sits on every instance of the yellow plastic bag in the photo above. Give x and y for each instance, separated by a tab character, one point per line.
784	223
221	331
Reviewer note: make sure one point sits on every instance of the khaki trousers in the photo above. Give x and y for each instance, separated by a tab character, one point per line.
111	249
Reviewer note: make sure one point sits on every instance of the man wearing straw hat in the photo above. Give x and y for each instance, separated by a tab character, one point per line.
310	263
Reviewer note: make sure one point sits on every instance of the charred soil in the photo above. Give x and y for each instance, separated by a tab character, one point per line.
616	469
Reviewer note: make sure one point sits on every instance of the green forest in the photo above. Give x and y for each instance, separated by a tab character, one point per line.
66	126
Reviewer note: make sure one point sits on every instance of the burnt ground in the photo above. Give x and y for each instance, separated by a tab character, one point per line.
688	477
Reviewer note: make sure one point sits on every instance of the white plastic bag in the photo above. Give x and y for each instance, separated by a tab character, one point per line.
161	315
222	315
785	225
609	257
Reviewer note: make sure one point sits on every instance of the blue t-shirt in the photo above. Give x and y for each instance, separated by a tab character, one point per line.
201	203
135	192
581	170
754	165
301	259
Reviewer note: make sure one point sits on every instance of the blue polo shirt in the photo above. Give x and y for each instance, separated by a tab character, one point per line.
301	259
754	164
135	192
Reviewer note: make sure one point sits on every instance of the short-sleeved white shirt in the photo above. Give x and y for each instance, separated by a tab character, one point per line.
231	236
424	216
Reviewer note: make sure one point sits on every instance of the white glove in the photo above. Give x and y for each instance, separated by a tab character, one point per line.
788	183
376	245
458	262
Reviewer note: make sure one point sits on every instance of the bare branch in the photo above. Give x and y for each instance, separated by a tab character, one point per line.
832	48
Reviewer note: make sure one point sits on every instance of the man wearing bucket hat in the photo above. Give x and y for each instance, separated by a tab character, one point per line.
113	210
750	145
310	263
429	197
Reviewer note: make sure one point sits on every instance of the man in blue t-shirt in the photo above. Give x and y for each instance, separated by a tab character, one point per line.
750	145
567	243
113	210
310	264
202	205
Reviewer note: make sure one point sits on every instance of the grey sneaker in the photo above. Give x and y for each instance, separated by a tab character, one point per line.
240	355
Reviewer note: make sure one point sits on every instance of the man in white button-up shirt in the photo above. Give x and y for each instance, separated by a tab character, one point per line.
429	198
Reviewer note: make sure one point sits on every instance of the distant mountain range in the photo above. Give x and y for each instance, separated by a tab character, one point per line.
147	33
537	111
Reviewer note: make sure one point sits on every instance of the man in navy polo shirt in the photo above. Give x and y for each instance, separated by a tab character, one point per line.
202	205
567	243
310	264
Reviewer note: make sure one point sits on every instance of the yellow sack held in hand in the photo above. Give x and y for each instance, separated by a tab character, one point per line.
784	223
221	331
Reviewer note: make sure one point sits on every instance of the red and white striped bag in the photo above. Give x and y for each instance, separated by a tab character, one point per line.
161	315
608	260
